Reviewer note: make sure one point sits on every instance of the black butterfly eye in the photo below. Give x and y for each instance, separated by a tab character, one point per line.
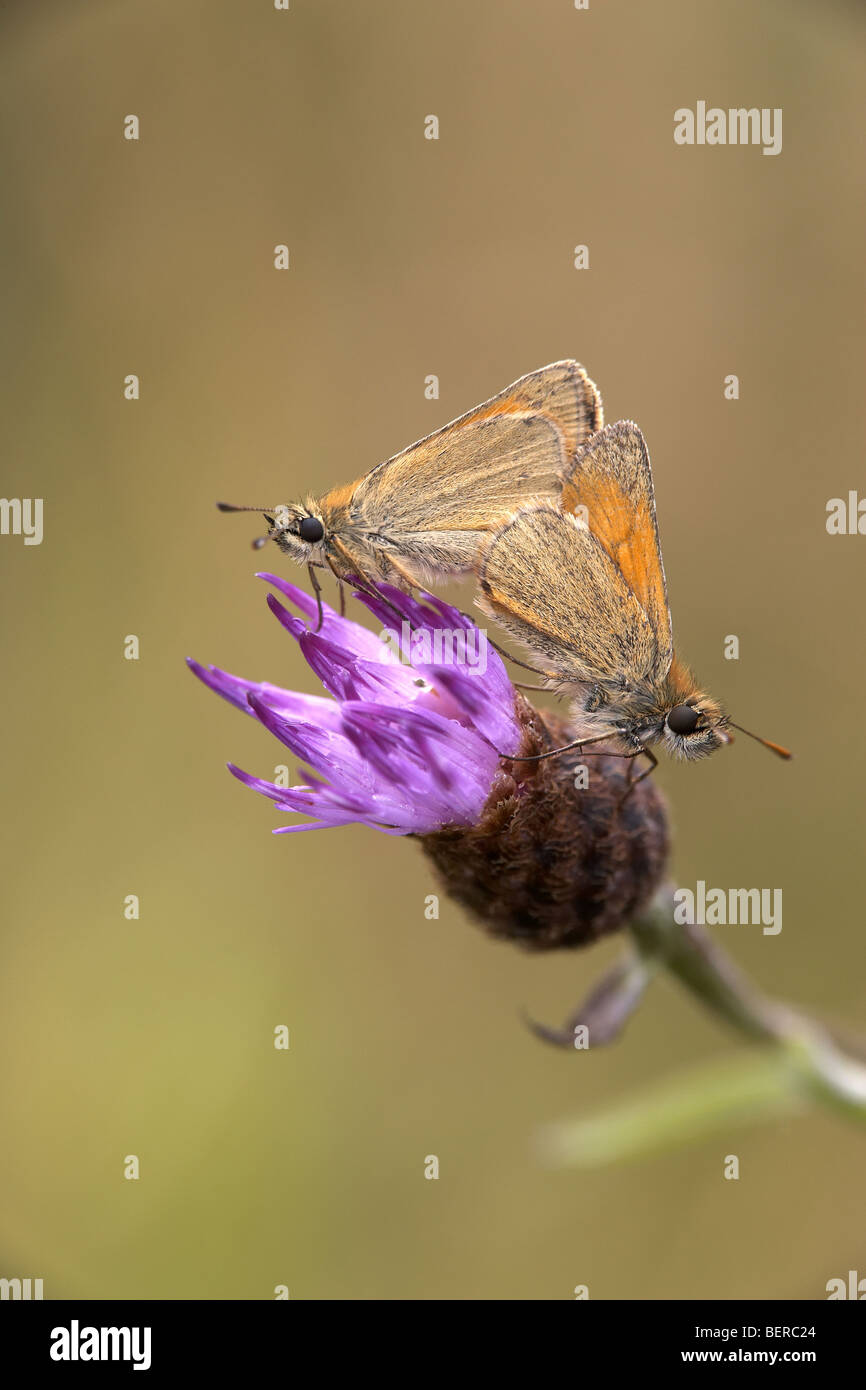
683	719
311	529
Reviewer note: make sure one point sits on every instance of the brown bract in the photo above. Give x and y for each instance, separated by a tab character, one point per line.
550	865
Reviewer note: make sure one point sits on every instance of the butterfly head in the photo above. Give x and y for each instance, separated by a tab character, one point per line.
686	722
299	531
297	528
694	727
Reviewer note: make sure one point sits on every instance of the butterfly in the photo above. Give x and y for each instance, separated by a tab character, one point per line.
582	585
420	516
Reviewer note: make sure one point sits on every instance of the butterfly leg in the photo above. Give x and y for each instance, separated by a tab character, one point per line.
632	781
317	590
411	583
580	743
536	670
407	581
506	656
648	771
356	571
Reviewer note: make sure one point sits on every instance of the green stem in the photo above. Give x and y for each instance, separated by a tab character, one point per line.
818	1067
797	1061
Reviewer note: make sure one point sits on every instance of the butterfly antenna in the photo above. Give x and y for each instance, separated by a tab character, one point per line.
230	507
773	747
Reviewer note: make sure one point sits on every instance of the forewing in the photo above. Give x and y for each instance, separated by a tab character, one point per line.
466	479
496	456
550	583
564	392
612	478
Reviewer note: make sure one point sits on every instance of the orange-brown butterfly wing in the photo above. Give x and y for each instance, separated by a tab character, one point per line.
612	478
429	506
562	391
461	458
551	584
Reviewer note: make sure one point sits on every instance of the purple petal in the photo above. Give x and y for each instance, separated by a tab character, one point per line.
433	757
485	701
404	748
343	631
314	744
348	677
236	691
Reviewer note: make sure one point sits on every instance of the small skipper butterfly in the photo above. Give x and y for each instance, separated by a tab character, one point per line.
591	599
419	516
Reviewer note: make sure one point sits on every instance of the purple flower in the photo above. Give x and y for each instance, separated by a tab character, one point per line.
410	734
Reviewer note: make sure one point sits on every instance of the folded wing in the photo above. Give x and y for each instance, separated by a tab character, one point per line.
611	477
472	473
553	586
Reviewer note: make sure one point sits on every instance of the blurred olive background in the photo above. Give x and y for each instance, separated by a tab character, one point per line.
408	257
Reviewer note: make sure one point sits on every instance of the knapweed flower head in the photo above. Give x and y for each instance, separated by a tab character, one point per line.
407	744
424	735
